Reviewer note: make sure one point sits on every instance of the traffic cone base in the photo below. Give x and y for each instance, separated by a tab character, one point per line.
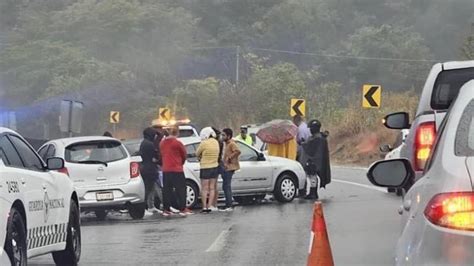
319	248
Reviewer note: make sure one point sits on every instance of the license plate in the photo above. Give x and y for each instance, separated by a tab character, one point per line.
100	196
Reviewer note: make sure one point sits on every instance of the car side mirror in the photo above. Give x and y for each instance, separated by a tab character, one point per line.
390	173
261	157
399	120
385	148
55	163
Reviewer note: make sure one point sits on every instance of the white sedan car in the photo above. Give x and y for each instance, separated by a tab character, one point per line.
438	210
106	177
259	175
39	209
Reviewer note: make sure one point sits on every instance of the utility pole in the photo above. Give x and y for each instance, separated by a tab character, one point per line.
237	64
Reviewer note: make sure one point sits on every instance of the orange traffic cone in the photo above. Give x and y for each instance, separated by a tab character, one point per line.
319	248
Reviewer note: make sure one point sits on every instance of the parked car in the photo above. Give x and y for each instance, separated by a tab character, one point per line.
259	175
394	153
438	211
39	207
106	177
441	88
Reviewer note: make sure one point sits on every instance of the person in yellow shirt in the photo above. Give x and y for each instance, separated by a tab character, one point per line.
208	154
244	136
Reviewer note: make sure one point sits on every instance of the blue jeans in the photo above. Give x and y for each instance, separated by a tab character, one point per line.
227	187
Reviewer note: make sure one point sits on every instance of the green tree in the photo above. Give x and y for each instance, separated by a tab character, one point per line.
388	42
40	69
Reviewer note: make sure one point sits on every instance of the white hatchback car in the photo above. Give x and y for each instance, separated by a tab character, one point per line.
438	211
39	208
106	177
259	175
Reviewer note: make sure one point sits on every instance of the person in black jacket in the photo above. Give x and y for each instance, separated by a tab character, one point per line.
315	160
149	167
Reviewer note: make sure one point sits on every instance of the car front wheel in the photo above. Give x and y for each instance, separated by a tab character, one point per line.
192	194
72	253
15	242
285	188
137	211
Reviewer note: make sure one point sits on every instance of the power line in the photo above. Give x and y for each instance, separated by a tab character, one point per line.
320	54
343	56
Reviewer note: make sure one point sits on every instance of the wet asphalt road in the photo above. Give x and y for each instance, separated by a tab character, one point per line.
363	226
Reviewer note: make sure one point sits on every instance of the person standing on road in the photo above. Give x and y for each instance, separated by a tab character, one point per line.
244	137
231	164
107	134
173	154
221	166
315	160
303	133
148	167
208	154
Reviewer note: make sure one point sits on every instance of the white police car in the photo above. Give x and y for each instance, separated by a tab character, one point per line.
39	209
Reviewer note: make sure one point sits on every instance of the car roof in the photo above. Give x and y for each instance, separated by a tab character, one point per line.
69	141
458	64
189	140
7	130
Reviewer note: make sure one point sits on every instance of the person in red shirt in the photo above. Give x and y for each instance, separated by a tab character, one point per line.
173	157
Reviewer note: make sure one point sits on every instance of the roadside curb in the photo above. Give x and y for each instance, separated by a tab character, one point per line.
350	167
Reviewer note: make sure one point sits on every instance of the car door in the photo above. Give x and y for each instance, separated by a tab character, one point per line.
254	174
192	162
22	181
53	204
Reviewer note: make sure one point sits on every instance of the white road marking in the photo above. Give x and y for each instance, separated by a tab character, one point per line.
219	243
361	185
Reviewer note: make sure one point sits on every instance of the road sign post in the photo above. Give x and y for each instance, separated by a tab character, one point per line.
371	96
298	107
70	118
114	120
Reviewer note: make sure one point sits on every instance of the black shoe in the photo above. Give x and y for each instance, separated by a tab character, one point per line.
205	211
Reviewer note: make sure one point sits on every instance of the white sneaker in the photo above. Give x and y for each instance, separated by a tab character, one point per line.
173	210
148	213
213	209
154	210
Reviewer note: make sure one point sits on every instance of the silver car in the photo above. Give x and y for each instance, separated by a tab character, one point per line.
259	175
438	211
106	177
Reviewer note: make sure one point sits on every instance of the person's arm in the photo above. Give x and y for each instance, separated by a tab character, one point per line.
182	152
235	151
199	151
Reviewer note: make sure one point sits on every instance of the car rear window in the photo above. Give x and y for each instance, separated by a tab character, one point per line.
464	145
183	133
447	87
103	151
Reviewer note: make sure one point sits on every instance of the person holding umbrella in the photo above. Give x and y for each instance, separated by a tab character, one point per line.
280	135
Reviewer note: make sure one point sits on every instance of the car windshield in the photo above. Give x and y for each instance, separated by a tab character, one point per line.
97	151
447	87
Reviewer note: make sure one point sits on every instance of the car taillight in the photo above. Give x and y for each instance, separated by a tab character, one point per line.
424	140
134	169
452	210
